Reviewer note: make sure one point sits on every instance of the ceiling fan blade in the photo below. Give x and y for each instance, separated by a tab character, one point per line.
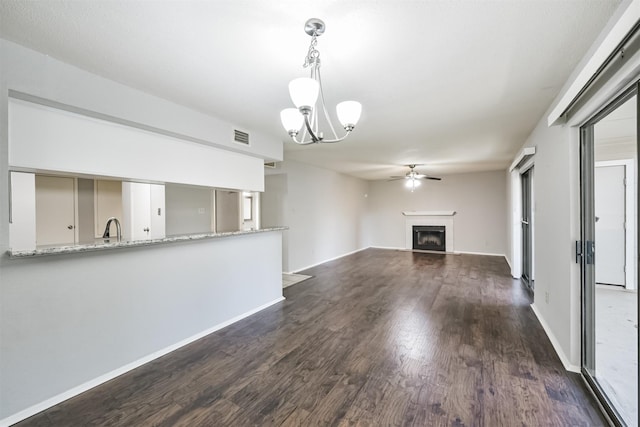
412	174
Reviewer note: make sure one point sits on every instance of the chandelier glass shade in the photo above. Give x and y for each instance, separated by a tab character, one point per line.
307	95
291	119
304	92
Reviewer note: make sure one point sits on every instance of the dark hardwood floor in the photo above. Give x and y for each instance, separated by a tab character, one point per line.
380	337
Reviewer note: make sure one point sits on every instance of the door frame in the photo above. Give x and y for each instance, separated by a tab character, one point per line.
527	170
524	162
585	256
630	275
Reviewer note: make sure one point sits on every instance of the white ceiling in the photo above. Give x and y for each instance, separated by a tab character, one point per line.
454	85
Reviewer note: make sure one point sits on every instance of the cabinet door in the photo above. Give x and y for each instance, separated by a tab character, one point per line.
136	199
55	210
156	214
143	211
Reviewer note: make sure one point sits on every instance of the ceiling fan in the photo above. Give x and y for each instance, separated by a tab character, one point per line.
413	178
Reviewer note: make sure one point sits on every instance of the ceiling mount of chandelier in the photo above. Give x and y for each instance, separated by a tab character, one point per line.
305	92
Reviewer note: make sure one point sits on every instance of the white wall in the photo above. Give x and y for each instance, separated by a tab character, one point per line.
188	209
556	227
323	211
37	75
331	214
73	321
103	148
64	323
273	210
227	210
557	206
478	198
619	151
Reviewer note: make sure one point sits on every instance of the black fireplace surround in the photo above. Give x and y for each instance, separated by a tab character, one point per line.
429	237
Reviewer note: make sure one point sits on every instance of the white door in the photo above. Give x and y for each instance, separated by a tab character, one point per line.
136	199
610	224
55	211
156	214
143	211
248	211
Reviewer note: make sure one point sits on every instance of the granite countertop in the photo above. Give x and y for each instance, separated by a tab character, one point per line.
101	245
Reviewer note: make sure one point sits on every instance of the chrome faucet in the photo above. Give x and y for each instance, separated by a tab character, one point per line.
106	235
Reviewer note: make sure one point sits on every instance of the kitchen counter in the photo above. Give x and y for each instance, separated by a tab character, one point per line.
105	244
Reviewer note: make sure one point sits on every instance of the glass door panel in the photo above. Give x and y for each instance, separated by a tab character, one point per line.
526	224
608	257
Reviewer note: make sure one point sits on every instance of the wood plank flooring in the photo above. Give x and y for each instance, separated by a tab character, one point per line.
380	337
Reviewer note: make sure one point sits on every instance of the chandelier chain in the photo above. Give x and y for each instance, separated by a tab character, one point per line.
313	53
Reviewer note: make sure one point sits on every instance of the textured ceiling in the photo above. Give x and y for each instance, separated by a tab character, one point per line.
615	135
454	85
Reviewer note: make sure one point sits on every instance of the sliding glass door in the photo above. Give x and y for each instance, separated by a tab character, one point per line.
607	254
526	225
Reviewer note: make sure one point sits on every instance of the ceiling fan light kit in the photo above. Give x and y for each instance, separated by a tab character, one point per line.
412	184
305	92
413	178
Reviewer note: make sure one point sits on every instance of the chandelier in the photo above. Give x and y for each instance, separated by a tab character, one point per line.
305	92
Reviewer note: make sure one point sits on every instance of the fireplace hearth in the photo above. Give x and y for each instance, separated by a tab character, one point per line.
429	237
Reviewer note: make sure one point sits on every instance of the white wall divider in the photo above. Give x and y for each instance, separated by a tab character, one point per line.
45	138
22	216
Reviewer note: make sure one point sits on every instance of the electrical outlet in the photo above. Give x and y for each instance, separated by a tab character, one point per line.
546	297
201	211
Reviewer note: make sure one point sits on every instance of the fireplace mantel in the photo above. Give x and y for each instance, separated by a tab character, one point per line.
428	213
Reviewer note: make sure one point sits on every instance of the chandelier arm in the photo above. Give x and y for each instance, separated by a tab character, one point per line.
319	141
313	136
314	123
324	107
302	142
329	141
304	135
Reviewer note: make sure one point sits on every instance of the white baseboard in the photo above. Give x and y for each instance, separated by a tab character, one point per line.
32	410
391	248
327	260
420	251
479	253
506	258
555	343
447	252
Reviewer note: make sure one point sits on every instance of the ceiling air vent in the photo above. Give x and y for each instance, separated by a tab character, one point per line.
241	137
271	165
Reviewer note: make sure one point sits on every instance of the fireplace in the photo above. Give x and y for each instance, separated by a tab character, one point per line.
441	219
429	237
